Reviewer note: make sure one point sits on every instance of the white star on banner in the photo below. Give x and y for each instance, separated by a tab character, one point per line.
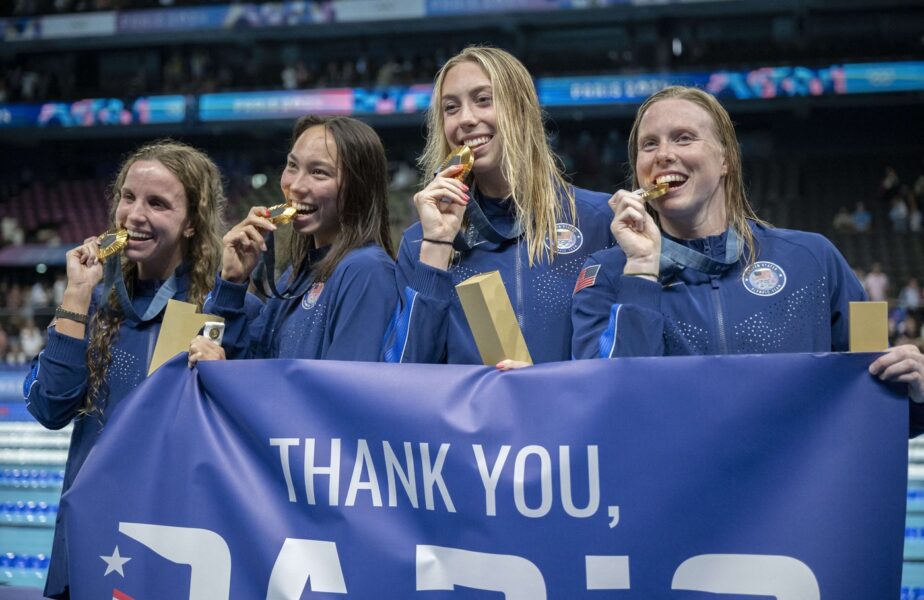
114	562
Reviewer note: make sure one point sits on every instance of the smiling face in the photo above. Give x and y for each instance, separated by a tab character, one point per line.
677	144
311	182
470	118
154	209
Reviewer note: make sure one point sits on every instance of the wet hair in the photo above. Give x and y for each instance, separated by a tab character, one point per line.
205	204
737	207
528	165
362	196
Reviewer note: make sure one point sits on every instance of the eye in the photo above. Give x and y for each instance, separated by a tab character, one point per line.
450	108
290	165
484	99
648	145
686	138
127	197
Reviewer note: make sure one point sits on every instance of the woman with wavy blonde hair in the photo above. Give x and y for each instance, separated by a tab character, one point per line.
518	216
169	198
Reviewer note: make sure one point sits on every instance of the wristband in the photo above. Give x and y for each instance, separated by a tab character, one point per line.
60	313
442	242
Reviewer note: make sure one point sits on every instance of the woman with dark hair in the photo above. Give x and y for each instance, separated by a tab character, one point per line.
169	199
340	288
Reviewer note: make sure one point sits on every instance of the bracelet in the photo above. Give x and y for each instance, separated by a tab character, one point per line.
441	242
655	275
61	313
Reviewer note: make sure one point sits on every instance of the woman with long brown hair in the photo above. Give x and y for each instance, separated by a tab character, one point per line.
169	198
340	290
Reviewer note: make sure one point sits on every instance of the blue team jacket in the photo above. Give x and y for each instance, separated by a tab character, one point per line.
344	318
431	326
794	298
55	387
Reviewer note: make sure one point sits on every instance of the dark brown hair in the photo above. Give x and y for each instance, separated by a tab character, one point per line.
362	197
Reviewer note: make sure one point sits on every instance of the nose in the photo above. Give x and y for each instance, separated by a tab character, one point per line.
664	153
295	185
467	115
136	211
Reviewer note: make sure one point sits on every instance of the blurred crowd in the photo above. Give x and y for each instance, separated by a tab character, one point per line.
899	201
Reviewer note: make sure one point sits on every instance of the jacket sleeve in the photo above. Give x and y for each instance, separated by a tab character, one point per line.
56	385
418	330
615	315
244	315
366	300
845	288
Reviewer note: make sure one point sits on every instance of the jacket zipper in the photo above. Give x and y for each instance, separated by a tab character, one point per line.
521	316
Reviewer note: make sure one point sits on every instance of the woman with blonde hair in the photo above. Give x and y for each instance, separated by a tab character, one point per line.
697	272
519	217
169	198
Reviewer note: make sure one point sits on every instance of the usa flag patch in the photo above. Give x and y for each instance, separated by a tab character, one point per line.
587	278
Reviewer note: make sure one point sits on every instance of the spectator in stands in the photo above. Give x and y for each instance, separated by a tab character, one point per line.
843	221
898	214
862	219
909	297
519	216
169	197
889	186
914	215
696	271
31	339
877	283
341	284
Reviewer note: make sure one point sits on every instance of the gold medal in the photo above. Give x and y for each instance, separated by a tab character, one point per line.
655	191
459	156
281	214
111	242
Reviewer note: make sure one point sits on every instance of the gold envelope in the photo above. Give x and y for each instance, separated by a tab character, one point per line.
180	325
869	326
491	318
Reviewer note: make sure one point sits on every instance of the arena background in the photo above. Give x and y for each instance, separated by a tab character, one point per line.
827	97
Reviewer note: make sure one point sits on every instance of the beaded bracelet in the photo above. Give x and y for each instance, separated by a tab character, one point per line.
61	313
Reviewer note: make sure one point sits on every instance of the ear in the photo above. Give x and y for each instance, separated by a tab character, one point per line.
189	232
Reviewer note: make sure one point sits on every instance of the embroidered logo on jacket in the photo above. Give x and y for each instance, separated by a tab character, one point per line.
764	279
311	296
587	278
570	238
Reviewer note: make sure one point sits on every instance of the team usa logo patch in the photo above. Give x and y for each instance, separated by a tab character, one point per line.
764	279
570	238
311	296
587	278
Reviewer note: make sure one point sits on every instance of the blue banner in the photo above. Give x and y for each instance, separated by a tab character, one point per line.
776	475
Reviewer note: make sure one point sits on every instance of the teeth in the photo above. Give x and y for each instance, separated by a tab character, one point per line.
137	235
673	178
305	207
475	142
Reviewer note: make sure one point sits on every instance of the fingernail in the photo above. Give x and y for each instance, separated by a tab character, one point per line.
464	187
266	213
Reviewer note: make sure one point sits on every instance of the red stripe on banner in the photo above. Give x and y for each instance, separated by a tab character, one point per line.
117	595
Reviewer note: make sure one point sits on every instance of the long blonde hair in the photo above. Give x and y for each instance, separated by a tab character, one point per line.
528	164
737	207
206	201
